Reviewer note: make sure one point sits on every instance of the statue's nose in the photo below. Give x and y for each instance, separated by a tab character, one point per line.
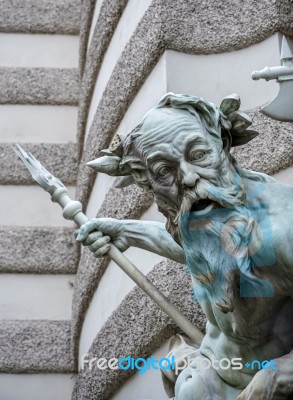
188	176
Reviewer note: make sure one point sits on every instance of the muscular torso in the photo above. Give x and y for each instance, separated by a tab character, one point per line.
255	333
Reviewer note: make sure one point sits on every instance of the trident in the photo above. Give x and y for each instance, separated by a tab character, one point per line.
72	210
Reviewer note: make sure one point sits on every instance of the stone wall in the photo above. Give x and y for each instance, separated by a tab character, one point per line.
39	80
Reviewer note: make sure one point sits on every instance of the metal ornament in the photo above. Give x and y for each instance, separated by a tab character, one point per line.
281	108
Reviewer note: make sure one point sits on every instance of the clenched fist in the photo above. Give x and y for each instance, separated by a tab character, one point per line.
97	234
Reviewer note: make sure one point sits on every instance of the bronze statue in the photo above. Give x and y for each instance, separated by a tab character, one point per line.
233	229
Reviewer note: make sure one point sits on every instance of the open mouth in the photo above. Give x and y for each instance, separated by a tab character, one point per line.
204	204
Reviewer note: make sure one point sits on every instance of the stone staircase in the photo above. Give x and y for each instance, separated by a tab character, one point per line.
39	91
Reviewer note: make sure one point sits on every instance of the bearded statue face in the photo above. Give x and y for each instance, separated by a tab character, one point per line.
180	152
194	181
186	168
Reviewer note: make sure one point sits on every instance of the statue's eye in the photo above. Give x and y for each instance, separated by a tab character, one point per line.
197	155
163	171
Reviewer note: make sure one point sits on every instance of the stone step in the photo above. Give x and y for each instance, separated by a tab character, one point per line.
33	297
36	386
38	123
35	346
38	51
38	250
31	206
60	159
40	16
39	86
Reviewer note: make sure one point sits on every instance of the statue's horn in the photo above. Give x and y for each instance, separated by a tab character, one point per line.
281	108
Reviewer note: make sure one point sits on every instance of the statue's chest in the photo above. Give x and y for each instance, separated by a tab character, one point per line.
206	249
218	263
207	256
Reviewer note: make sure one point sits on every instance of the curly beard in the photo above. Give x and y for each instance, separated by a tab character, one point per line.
213	250
228	192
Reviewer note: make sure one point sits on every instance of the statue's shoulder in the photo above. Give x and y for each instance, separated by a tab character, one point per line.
278	200
280	191
277	197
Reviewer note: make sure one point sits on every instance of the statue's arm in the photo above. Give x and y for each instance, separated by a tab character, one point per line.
152	236
97	233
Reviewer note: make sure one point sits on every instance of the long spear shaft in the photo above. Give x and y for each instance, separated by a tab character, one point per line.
72	210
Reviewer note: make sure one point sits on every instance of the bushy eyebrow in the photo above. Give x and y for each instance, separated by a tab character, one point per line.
158	155
196	140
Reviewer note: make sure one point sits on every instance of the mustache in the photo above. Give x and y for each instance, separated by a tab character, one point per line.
231	196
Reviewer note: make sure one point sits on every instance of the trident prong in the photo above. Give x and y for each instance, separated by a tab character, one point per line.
38	172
